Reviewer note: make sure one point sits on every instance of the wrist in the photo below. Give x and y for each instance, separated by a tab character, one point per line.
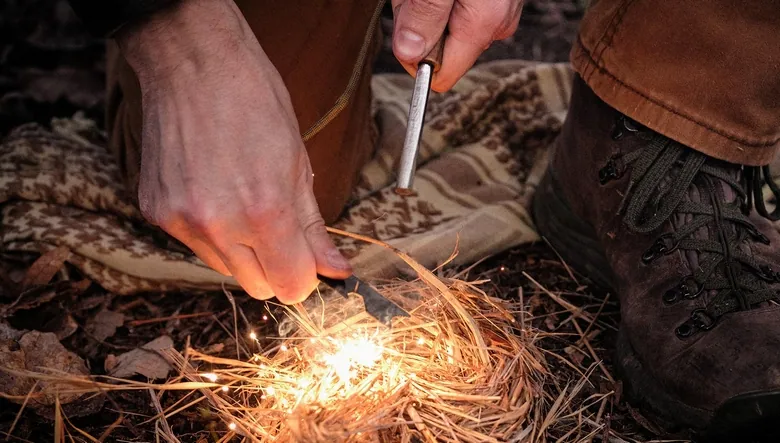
192	34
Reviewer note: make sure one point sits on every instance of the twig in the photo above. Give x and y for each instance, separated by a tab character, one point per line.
170	317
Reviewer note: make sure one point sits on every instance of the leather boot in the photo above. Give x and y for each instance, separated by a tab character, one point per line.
685	242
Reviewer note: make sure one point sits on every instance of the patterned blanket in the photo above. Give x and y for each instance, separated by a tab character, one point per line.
483	153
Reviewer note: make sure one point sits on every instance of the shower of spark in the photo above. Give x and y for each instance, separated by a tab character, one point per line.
352	355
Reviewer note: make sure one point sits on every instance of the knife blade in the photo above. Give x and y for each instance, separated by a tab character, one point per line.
376	305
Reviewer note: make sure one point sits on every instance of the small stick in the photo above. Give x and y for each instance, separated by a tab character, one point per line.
598	361
577	312
420	425
601	308
170	317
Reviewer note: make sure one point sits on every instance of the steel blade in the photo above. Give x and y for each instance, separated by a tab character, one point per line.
376	305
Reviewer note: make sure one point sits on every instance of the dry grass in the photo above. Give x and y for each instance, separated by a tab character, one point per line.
464	367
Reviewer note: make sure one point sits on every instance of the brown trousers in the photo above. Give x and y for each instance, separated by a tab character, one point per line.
314	45
703	72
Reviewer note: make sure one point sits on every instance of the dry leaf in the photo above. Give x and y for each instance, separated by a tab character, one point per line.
45	267
37	352
63	326
145	361
104	324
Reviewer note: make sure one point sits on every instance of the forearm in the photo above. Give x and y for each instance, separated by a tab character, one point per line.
194	33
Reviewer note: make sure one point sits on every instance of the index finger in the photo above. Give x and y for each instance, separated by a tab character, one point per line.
473	27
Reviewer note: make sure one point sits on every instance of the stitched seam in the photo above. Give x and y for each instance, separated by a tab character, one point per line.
609	36
606	37
720	132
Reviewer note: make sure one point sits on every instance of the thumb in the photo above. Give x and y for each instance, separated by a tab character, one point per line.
329	260
418	26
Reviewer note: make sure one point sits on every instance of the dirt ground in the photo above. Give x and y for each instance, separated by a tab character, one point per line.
49	67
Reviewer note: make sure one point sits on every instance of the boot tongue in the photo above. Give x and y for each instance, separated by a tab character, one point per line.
697	193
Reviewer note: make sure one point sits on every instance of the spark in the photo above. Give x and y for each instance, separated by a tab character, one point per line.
270	390
225	389
212	377
283	348
265	317
354	354
252	335
232	426
420	341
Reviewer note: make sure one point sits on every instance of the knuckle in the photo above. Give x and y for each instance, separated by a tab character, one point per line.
486	23
429	9
202	220
270	213
313	225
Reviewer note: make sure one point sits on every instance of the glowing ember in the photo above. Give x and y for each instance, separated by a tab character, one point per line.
232	426
252	335
210	376
225	389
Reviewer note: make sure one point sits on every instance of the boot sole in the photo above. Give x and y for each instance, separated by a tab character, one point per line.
744	416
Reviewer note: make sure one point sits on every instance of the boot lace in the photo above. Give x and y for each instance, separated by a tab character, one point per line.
662	174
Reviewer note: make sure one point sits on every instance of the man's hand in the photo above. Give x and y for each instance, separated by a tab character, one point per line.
473	25
224	169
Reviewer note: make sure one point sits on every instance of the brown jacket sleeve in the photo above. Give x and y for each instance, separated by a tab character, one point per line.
105	17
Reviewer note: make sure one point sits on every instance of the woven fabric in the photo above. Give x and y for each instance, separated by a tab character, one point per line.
483	153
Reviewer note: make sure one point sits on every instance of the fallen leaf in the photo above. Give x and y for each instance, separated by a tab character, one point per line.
38	352
104	324
63	326
145	361
45	267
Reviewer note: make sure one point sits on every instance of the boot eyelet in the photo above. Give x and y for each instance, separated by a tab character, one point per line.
702	320
690	288
765	272
671	296
613	170
662	246
685	330
623	126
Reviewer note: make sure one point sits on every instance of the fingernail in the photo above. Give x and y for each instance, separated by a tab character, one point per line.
337	260
409	45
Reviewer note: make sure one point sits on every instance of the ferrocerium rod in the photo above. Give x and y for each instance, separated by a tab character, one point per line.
414	127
